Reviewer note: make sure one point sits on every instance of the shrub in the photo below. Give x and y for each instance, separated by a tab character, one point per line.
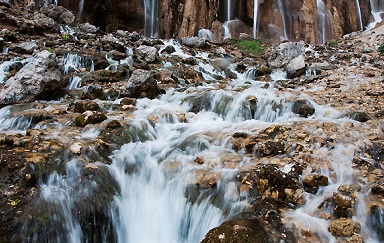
381	49
252	46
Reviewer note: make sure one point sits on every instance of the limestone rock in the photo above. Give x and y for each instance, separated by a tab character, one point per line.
148	53
42	78
344	227
59	14
26	47
193	42
296	67
88	28
142	84
90	117
285	53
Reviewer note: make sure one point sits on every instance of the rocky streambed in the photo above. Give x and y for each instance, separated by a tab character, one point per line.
115	137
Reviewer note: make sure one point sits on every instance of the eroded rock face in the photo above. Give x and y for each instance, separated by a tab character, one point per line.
40	79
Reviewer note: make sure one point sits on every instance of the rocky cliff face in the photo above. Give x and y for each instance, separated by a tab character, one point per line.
313	21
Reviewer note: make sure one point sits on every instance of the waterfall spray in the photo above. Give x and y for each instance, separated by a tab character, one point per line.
150	11
359	15
282	14
81	8
323	20
228	10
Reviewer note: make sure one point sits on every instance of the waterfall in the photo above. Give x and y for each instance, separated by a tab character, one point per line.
359	15
81	8
323	21
150	17
229	10
255	12
376	11
283	17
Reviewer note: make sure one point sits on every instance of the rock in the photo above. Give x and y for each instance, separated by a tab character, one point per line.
88	28
168	49
93	91
38	23
76	148
285	53
342	200
26	47
194	42
296	67
303	107
344	227
315	180
239	230
141	84
355	238
40	79
59	14
148	53
83	105
90	117
378	190
34	116
245	36
128	101
359	116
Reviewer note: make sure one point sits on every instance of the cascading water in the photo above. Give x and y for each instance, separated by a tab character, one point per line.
255	13
323	21
377	9
150	17
359	15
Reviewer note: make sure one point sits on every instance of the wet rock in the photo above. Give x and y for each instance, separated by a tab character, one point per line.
207	179
38	23
148	53
90	117
93	91
26	47
359	116
315	180
376	221
40	79
85	105
296	67
344	227
303	108
59	14
34	116
141	84
343	204
378	190
128	101
355	238
168	49
239	230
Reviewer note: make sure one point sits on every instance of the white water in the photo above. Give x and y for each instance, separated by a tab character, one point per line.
255	13
376	11
150	17
75	82
323	21
283	16
205	34
227	33
359	15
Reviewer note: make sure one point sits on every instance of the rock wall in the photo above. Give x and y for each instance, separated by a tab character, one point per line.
298	19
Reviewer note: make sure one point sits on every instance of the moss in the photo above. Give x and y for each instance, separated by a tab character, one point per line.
251	46
381	49
333	43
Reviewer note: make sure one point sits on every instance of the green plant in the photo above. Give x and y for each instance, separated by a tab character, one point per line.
381	49
65	36
14	202
252	46
333	43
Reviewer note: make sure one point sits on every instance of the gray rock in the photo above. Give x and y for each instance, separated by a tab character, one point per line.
284	54
296	67
148	53
26	47
89	28
141	84
59	14
303	107
194	42
41	78
39	22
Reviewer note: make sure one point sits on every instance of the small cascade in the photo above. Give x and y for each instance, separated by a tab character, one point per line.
323	21
227	33
150	17
255	13
5	50
75	82
75	62
359	15
282	10
205	34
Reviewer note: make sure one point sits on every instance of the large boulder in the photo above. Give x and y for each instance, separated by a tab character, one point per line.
303	108
141	84
285	53
296	67
148	53
59	14
41	78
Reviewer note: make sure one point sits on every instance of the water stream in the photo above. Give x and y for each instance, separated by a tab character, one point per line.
282	10
377	9
323	21
359	15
